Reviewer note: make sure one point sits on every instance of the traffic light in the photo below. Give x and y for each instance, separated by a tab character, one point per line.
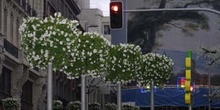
116	15
188	75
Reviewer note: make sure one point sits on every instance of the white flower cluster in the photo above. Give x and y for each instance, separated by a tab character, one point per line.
94	106
57	105
110	106
48	39
123	63
58	40
10	103
74	105
75	53
155	67
89	56
130	107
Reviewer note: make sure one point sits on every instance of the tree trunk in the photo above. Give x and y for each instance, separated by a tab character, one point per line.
162	4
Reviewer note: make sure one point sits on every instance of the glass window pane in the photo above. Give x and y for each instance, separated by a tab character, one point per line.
106	29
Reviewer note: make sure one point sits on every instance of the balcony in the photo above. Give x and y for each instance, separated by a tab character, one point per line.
10	48
26	7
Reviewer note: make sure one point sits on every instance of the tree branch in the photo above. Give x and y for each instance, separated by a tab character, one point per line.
176	26
94	87
213	61
199	2
208	51
90	85
162	4
92	80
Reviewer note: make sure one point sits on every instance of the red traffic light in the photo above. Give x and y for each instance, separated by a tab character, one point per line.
114	8
116	15
182	82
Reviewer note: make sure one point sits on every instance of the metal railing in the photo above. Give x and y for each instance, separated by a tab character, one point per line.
26	6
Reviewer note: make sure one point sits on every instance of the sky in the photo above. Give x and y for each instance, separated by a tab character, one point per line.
102	5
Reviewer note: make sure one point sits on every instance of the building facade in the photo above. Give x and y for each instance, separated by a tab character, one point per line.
83	4
29	85
17	79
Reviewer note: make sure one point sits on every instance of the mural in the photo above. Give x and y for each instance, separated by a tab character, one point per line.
174	33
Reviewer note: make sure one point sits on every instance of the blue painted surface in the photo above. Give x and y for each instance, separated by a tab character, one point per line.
167	97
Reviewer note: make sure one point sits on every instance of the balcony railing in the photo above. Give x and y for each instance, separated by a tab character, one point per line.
10	48
27	7
36	68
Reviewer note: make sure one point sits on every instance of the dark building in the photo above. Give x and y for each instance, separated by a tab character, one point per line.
17	80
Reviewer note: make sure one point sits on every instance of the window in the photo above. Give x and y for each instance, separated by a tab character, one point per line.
26	97
17	32
5	22
24	4
62	6
5	82
52	10
69	14
1	15
11	27
65	10
106	29
32	3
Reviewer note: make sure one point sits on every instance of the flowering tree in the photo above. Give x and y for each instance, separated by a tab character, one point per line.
57	105
123	62
58	40
89	56
130	107
110	106
10	103
95	106
155	67
50	39
74	105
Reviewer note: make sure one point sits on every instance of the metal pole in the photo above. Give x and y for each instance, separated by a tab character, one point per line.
173	9
152	95
190	107
49	87
209	92
119	96
83	92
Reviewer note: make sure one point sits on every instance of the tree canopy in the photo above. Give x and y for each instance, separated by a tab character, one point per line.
58	40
